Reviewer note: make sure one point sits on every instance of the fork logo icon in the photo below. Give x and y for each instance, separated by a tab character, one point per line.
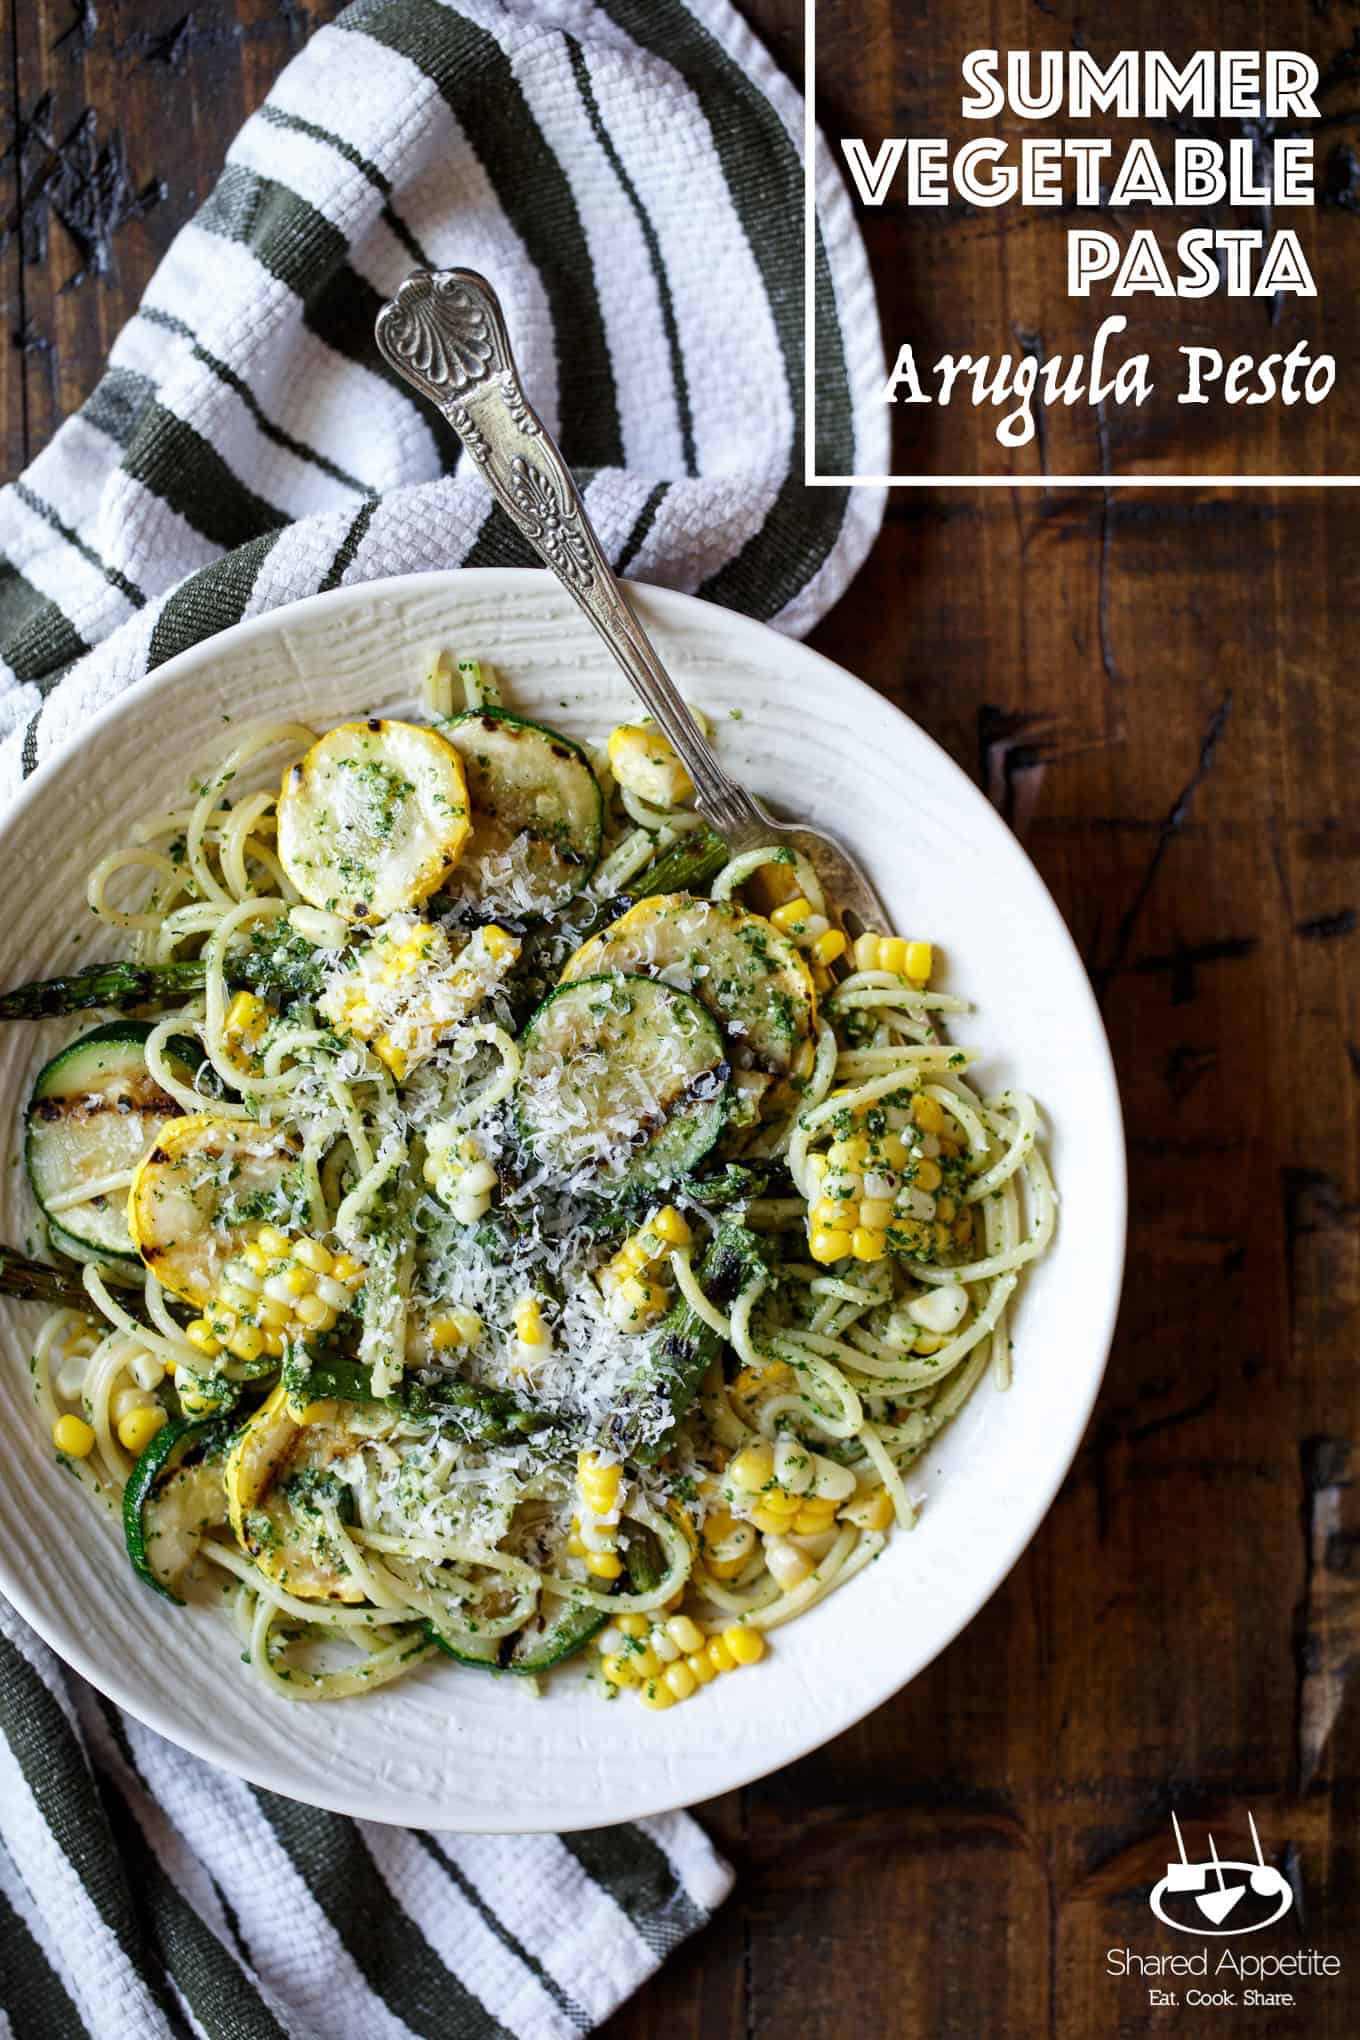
1208	1899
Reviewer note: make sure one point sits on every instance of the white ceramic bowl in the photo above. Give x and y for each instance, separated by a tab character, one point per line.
449	1748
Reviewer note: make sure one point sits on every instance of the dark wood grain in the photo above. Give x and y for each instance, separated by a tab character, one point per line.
1156	692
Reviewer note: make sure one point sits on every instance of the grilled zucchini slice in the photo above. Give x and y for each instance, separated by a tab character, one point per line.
537	814
279	1478
546	1641
174	1494
373	818
202	1192
623	1084
93	1114
749	976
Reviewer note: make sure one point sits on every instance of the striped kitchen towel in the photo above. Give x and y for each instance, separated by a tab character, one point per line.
628	174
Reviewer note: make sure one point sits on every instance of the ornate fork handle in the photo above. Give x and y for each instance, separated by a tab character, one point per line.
445	333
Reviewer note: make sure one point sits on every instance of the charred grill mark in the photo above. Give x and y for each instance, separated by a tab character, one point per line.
140	1095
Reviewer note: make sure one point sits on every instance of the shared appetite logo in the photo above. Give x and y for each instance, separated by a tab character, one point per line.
1207	1901
1217	1897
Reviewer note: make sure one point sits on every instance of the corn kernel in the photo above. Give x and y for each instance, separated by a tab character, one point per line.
245	1020
632	1625
728	1566
753	1468
771	1522
645	763
866	952
635	1302
246	1342
746	1645
790	917
920	961
618	1671
702	1667
834	1214
255	1259
963	1230
313	1256
681	1680
827	1246
928	1175
928	1113
346	1268
455	1328
893	1151
671	1225
869	1243
645	1662
813	1518
314	1313
719	1655
876	1212
658	1695
73	1436
200	1334
139	1427
530	1329
684	1634
827	948
274	1341
873	1511
605	1565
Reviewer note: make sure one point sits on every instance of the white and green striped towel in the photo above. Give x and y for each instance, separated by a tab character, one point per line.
628	174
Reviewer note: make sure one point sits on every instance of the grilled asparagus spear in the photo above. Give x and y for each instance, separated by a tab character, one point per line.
103	984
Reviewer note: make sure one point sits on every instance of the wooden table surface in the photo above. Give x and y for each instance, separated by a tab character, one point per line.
1154	690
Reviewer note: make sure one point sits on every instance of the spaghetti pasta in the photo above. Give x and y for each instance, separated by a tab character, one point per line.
419	1386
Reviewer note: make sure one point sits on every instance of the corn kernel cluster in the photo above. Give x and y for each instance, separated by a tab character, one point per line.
793	1498
914	960
875	1191
277	1291
782	1487
375	1001
644	762
595	1526
669	1658
634	1298
810	931
459	1173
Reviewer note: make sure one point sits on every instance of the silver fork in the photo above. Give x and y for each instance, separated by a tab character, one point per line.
444	332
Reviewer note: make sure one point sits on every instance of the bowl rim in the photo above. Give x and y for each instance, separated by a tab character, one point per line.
1069	1422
